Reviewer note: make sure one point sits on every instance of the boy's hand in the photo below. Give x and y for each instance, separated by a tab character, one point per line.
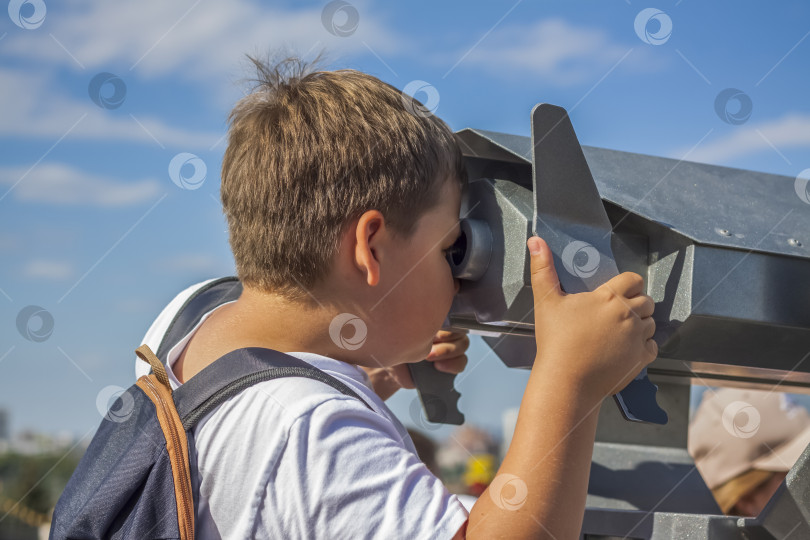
599	340
448	354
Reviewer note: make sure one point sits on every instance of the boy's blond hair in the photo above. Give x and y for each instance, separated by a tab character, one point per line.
308	152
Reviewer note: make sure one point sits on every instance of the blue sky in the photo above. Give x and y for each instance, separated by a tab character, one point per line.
94	230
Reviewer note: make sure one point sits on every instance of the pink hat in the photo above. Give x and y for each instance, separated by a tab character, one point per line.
737	430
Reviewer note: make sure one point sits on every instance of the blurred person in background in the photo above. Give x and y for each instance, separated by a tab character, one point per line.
479	474
479	471
744	442
426	450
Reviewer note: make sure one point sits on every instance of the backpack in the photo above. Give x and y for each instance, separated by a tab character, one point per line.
136	478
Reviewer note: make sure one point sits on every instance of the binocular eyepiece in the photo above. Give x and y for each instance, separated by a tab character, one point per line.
470	255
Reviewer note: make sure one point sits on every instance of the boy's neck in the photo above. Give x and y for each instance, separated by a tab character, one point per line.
269	320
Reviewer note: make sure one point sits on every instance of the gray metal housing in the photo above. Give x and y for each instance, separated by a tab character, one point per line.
724	253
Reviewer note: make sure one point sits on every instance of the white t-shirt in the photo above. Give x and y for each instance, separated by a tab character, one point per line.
295	458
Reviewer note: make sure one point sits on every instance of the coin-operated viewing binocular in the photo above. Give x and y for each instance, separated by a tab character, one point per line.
719	250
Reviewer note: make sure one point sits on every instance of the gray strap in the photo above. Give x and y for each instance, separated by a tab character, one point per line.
216	383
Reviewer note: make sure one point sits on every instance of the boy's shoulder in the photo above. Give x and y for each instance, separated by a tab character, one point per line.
284	399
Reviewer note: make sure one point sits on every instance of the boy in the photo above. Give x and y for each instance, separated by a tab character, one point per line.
341	201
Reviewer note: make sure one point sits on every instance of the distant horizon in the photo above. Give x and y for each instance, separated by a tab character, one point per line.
401	406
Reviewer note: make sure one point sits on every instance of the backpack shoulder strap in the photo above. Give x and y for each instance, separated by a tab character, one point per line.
238	370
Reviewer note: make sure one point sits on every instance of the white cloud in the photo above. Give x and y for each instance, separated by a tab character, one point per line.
191	39
203	43
561	53
60	184
31	108
789	131
50	270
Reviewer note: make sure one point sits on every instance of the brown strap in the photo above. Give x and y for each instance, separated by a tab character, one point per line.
146	354
176	444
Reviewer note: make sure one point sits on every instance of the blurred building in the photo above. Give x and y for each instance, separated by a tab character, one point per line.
508	422
4	435
5	441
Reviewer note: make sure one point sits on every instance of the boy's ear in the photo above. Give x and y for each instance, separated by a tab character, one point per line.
369	234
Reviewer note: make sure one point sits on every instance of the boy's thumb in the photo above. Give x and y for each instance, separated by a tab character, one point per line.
545	282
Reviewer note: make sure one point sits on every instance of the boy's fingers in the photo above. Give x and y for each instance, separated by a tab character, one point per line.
545	283
402	375
444	336
643	306
451	348
627	284
452	365
652	348
649	328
